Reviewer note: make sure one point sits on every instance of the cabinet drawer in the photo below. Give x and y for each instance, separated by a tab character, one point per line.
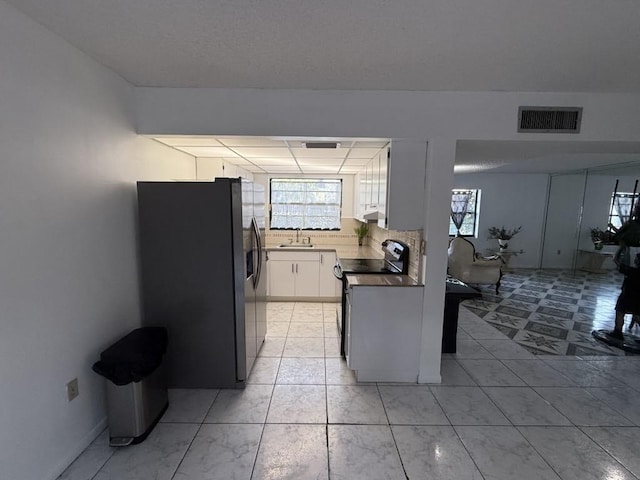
294	256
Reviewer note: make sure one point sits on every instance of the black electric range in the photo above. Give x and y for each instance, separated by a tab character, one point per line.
395	262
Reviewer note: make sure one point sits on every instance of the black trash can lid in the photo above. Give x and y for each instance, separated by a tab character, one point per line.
134	356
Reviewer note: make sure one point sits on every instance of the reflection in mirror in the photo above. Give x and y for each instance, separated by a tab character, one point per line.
580	202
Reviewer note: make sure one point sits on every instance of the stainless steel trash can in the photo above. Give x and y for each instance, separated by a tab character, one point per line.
136	384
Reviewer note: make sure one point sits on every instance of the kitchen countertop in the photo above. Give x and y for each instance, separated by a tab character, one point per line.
382	280
342	251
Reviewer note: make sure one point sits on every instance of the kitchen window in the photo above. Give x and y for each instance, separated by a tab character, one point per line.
305	203
465	206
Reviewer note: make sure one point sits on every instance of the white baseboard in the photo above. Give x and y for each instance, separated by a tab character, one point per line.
79	448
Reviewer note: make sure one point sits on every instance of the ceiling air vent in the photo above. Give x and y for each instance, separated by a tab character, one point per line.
549	119
321	145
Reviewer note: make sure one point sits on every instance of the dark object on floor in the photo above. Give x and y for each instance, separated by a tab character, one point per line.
133	357
137	387
628	343
456	291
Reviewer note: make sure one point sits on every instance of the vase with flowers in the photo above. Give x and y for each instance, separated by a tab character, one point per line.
503	235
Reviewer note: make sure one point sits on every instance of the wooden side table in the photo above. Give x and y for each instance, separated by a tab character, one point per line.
593	260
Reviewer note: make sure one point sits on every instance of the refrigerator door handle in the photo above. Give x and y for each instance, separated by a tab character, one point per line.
258	267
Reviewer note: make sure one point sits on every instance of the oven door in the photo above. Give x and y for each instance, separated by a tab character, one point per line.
346	336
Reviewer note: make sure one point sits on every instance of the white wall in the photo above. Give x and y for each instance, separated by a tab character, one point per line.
68	262
511	200
381	114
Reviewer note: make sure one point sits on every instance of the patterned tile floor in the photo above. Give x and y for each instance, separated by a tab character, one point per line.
552	312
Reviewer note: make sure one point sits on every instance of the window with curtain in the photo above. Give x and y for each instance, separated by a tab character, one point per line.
465	204
620	208
306	203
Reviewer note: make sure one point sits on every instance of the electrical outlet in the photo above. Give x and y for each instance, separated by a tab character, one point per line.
72	389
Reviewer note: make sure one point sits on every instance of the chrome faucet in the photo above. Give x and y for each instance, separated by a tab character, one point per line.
298	235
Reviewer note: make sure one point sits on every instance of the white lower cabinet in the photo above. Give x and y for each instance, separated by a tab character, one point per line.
294	274
302	274
282	279
330	286
384	333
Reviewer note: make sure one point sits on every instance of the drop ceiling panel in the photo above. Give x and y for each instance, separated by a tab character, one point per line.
251	142
327	169
350	170
283	162
320	161
207	151
266	152
187	141
361	162
320	152
363	152
281	170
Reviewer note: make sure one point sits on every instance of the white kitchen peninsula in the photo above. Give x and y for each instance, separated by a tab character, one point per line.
384	322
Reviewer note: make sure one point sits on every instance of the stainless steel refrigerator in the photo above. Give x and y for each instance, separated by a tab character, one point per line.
204	277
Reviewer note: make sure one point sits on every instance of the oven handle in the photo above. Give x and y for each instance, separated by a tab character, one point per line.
337	271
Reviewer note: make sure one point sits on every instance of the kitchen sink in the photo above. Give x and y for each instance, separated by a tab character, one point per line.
295	245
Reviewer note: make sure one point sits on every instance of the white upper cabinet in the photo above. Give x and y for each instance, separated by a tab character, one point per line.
406	174
393	184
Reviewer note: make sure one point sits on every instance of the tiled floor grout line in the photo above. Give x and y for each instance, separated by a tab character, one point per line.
606	365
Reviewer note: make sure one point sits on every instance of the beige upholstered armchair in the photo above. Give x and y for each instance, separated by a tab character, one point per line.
470	267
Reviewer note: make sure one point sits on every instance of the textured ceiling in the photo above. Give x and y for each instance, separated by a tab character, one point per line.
465	45
496	45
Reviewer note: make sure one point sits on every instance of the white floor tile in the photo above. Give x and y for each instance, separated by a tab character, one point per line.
468	406
221	452
363	452
301	371
434	452
502	453
189	405
241	406
411	405
292	452
355	404
573	454
157	457
298	404
582	408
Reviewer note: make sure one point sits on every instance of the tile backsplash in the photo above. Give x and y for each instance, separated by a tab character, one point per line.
344	236
413	238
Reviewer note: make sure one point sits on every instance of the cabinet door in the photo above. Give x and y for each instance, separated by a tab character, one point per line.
282	278
382	194
329	285
368	185
307	279
375	182
406	187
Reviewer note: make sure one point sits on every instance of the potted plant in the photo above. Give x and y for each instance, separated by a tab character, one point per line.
361	231
597	237
503	235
